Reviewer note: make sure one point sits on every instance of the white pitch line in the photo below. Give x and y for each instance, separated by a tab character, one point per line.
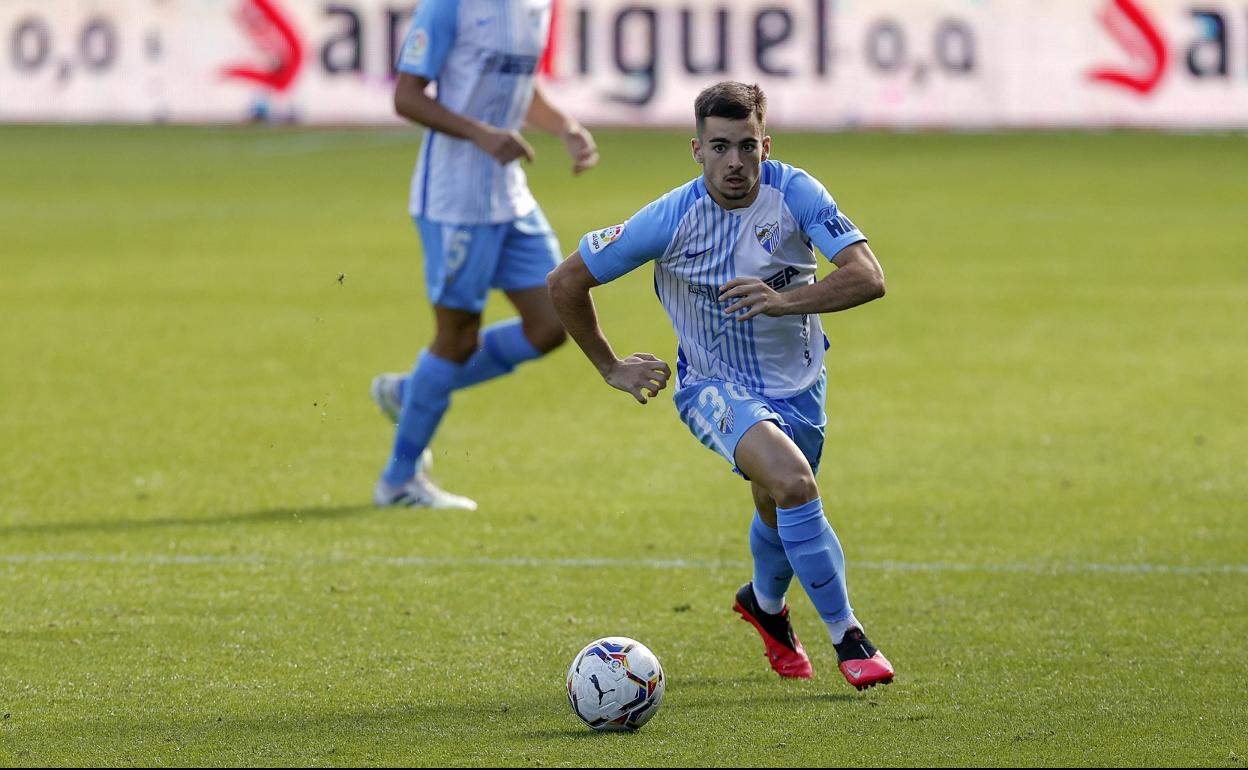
255	560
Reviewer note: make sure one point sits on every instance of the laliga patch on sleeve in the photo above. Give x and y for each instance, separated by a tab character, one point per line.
599	239
416	50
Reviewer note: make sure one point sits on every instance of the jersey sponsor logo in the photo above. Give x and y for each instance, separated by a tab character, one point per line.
691	254
709	293
781	278
600	239
768	236
839	225
416	51
501	63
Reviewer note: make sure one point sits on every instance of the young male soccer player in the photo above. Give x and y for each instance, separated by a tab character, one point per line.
478	222
735	271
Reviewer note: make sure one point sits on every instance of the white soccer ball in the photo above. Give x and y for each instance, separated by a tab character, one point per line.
615	684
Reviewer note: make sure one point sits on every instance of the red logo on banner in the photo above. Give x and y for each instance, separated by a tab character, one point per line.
275	38
1138	36
547	65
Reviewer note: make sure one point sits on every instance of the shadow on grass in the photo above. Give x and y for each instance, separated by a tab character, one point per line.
576	733
791	690
419	734
779	698
270	516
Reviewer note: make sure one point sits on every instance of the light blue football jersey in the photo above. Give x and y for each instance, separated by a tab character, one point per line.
697	246
483	55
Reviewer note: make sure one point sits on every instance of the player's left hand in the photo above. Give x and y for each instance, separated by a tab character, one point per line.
753	296
580	145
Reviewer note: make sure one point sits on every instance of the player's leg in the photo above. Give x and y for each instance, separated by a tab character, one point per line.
538	320
426	399
528	251
769	456
760	602
459	261
718	413
428	393
803	419
772	571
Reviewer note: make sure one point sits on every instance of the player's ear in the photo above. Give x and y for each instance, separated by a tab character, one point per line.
766	147
697	149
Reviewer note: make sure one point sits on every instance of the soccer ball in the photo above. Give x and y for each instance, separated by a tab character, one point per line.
615	684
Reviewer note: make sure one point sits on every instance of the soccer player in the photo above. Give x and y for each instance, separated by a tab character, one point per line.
735	270
480	226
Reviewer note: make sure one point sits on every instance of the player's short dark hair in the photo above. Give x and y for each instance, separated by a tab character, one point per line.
732	100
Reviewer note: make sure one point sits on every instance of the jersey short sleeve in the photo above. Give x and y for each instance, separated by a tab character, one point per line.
616	250
818	216
429	39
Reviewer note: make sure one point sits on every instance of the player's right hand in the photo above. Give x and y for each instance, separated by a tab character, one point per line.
505	146
640	375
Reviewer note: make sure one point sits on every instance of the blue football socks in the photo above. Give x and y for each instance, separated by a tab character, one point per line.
772	571
425	399
503	348
817	558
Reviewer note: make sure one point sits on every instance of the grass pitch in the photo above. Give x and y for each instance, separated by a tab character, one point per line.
1037	463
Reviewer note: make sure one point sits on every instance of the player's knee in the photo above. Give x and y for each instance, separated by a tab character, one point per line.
459	343
548	336
794	489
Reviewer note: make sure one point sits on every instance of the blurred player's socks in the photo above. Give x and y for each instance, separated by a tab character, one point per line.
772	571
425	400
818	560
503	348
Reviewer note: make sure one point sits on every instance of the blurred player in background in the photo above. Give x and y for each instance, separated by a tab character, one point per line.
736	272
479	224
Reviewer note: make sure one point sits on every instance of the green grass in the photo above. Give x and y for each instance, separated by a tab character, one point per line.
1037	462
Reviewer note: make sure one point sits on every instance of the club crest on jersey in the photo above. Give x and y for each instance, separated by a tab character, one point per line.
599	239
768	236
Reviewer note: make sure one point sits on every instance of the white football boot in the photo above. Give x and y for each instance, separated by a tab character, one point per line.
385	393
420	491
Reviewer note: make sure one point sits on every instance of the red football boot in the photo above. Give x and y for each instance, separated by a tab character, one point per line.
784	651
862	664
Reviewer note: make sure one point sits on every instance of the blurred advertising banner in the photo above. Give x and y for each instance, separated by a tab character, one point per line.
824	64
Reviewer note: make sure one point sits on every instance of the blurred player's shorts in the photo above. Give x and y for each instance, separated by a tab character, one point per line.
463	262
719	413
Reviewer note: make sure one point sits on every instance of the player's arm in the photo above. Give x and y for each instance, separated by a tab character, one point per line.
858	279
549	118
642	375
424	53
411	102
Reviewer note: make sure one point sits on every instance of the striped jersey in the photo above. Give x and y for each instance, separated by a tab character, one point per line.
483	55
697	246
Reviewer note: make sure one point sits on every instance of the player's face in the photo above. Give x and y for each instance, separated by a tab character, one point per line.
732	153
